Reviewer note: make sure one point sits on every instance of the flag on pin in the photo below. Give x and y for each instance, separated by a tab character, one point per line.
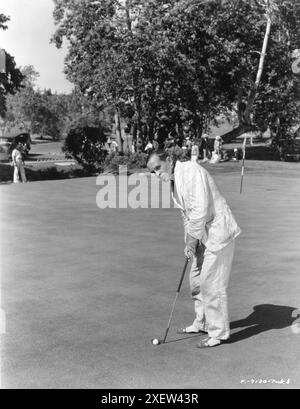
2	61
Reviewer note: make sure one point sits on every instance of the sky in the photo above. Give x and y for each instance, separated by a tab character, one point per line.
27	39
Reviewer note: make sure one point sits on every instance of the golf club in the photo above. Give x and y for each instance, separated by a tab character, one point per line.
159	341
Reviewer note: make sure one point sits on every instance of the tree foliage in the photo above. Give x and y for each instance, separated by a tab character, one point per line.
183	61
42	111
85	143
46	113
11	79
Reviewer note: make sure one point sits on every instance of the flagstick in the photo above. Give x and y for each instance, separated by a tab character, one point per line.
243	164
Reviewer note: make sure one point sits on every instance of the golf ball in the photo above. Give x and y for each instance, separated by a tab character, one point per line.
155	341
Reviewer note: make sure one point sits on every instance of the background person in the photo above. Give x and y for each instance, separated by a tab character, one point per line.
195	152
149	147
203	148
210	231
127	139
218	145
18	164
217	152
114	147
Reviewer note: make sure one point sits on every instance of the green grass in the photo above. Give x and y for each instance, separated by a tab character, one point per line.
51	171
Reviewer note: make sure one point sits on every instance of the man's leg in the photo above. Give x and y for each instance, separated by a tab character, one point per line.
199	323
214	280
16	174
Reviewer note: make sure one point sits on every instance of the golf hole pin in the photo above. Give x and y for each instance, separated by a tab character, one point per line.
155	341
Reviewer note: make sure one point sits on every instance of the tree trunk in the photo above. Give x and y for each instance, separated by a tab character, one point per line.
198	124
128	19
137	115
152	111
118	130
253	91
244	118
151	125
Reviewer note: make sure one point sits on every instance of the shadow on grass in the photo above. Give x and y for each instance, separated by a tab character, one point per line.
34	156
265	317
261	153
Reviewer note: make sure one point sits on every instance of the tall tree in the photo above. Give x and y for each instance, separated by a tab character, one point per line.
182	60
11	77
37	111
269	94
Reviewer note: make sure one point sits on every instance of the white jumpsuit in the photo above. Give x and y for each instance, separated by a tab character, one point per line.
208	219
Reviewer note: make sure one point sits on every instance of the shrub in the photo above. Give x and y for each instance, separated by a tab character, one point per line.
131	160
85	143
177	153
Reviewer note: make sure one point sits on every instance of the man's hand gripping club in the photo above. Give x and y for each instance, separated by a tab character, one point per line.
191	245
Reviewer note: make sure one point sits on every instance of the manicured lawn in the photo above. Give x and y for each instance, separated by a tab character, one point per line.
85	290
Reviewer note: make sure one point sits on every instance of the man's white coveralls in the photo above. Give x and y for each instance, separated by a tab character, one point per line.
208	219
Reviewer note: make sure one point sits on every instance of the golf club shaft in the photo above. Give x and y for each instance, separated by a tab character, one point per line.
176	296
171	315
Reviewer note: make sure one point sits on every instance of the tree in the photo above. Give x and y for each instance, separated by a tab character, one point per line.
271	101
19	103
85	143
11	78
33	107
180	61
43	112
46	113
115	56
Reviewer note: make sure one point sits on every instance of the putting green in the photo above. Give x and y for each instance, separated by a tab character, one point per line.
85	290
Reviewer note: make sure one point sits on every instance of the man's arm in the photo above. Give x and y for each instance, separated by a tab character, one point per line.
185	220
197	202
196	193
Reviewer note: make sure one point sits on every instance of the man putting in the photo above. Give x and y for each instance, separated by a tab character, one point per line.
210	231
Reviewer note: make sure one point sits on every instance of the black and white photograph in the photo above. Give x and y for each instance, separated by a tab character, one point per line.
149	197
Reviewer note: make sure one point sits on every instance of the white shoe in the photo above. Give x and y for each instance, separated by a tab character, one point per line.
208	343
190	330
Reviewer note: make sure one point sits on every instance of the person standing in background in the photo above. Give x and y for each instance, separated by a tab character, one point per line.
18	164
195	152
218	145
204	147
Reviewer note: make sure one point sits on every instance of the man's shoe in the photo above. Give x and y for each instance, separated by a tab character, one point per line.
208	342
190	330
